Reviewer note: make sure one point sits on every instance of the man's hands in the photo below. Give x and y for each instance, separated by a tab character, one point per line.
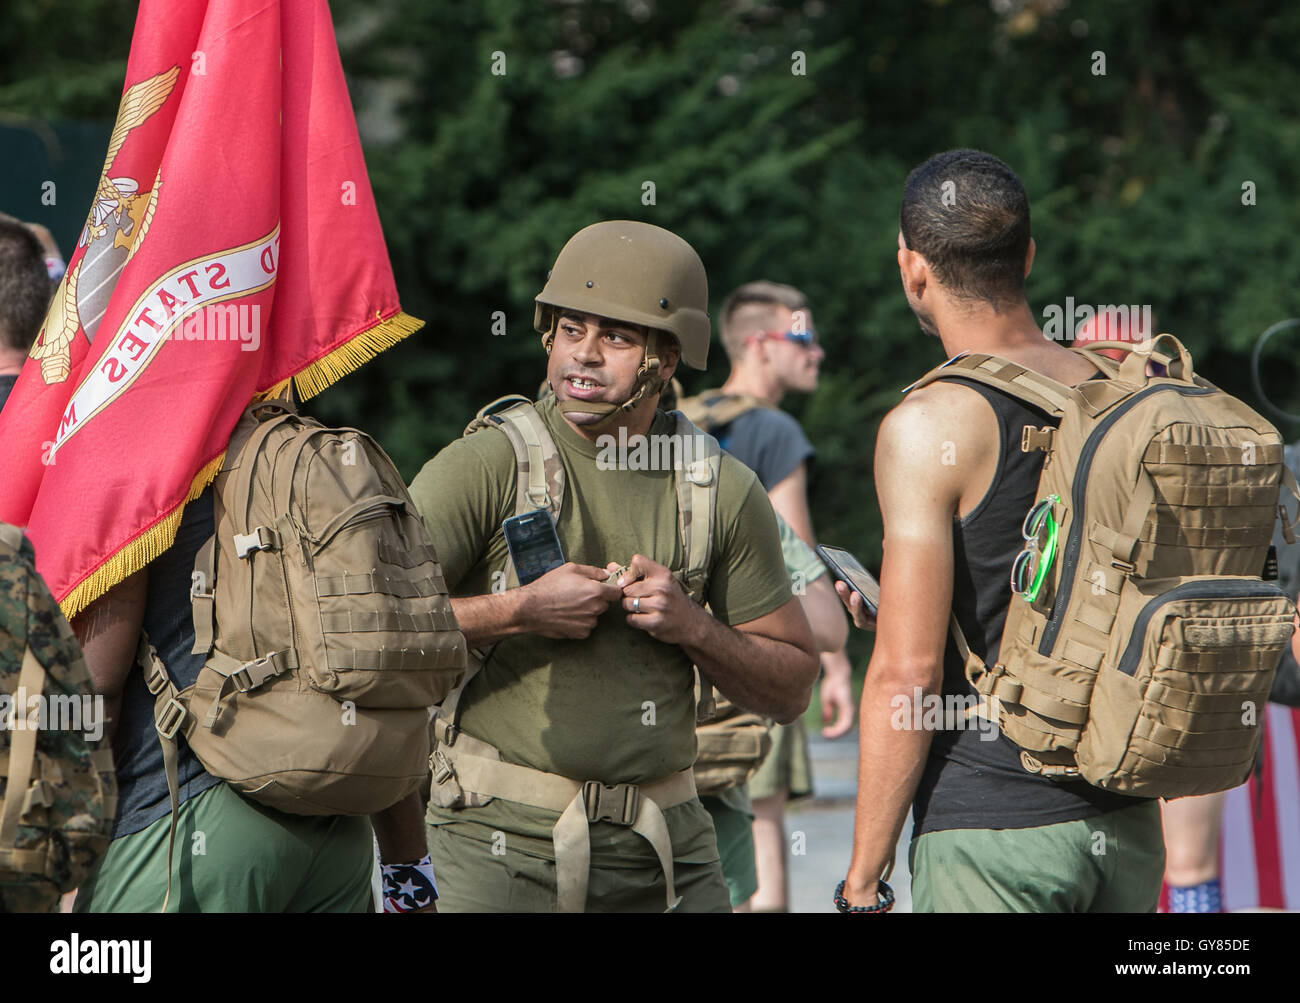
863	618
655	602
836	695
565	603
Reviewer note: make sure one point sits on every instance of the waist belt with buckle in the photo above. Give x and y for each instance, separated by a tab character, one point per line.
638	807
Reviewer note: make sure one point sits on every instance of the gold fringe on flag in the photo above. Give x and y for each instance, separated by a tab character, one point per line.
352	354
154	541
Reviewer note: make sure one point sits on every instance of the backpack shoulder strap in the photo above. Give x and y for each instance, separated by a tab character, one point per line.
1011	378
539	480
714	409
696	480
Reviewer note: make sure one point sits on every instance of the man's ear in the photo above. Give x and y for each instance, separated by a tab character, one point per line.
914	269
1029	257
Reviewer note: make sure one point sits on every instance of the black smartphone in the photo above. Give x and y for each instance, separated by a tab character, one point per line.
533	543
848	569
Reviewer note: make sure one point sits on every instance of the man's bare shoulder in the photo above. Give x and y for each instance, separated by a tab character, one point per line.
942	412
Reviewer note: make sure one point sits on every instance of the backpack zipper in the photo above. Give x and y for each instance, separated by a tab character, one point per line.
1078	490
1221	589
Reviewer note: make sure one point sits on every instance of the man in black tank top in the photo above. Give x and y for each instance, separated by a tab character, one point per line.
954	488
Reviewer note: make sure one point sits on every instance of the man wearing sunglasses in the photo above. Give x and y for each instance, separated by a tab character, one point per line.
954	490
771	342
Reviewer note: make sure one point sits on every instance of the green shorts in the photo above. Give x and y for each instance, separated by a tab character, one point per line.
233	855
735	831
1108	863
471	878
788	767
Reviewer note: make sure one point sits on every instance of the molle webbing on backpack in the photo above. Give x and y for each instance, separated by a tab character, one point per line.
468	772
1154	634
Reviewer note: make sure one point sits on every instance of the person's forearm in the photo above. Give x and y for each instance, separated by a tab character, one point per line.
399	831
760	674
890	763
487	619
830	627
108	631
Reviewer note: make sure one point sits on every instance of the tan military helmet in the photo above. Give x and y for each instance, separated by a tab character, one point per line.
633	272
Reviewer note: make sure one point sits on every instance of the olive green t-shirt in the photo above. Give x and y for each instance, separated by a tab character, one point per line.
617	706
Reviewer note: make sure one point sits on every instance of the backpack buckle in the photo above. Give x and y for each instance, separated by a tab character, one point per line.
700	473
1036	438
618	804
259	539
441	765
168	720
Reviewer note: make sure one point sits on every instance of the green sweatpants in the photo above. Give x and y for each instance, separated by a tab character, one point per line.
1110	863
233	855
471	878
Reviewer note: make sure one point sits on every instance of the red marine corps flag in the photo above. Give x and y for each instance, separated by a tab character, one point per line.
232	246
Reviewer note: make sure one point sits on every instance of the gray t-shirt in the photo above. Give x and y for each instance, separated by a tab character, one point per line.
768	441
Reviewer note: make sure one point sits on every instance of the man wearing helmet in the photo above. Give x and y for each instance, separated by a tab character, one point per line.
562	768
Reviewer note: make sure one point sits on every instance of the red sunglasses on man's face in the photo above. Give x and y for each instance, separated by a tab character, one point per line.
806	339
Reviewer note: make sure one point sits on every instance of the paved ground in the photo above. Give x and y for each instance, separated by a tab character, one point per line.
826	822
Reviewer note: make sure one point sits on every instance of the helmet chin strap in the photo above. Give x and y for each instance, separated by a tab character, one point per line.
648	382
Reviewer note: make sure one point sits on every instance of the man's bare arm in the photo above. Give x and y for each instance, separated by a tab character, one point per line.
830	628
109	632
789	498
919	496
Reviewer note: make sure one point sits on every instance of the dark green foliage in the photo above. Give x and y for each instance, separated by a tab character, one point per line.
1135	177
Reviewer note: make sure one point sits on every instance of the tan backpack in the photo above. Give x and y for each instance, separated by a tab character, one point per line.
1144	662
468	772
59	792
713	409
328	631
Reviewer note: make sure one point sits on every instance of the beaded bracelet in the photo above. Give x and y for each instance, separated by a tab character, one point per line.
882	889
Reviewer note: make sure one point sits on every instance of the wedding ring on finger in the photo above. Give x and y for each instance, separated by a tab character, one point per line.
636	605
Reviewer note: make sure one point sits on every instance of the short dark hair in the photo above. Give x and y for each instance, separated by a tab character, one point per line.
24	286
750	306
967	214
